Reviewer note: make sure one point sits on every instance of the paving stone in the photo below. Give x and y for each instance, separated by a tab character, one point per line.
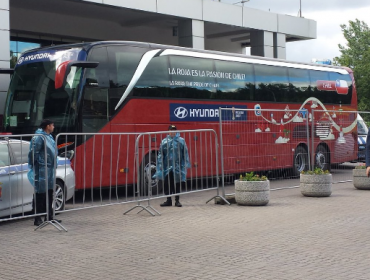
293	237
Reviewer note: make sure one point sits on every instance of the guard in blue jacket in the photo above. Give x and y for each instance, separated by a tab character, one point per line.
367	154
172	165
39	168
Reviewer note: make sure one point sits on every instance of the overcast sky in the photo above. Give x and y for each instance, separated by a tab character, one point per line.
328	14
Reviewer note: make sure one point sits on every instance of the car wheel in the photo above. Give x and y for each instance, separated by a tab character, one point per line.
59	196
300	161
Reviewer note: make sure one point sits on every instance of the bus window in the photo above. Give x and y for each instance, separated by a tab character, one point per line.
95	99
154	81
299	85
271	83
341	98
123	61
192	78
319	76
236	81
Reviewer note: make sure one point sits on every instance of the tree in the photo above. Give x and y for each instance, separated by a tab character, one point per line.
13	59
356	55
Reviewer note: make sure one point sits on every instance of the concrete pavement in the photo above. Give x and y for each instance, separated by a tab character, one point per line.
293	237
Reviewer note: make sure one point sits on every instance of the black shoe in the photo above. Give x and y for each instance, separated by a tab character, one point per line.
38	221
166	203
178	204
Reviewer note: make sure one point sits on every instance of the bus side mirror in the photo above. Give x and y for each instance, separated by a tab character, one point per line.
65	67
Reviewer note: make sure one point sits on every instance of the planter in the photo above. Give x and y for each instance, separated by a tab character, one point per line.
360	180
315	185
253	193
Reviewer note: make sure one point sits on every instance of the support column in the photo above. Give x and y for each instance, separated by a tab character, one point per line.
191	34
279	46
262	43
4	51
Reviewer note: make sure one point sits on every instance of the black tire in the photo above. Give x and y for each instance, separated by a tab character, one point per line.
149	165
300	161
59	195
322	158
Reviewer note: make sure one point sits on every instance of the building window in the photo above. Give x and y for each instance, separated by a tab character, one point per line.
17	48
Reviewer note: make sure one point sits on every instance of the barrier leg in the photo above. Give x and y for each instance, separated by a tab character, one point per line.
142	208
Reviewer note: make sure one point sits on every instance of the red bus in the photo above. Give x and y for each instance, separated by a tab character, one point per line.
117	86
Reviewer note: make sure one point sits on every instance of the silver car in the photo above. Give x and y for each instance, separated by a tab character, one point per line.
16	192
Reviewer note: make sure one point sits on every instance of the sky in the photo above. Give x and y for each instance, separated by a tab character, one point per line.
328	14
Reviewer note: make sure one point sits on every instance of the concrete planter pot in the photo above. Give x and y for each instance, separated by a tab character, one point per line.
360	180
315	185
252	193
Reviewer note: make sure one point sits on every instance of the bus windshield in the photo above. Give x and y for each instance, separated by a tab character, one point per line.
32	96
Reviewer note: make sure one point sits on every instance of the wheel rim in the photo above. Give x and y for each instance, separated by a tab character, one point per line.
320	160
150	168
300	162
59	197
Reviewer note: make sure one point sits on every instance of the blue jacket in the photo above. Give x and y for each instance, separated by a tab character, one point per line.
36	161
172	156
367	151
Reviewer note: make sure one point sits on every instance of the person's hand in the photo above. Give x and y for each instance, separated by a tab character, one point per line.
368	171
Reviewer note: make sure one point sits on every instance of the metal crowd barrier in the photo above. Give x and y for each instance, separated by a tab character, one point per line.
271	142
342	128
198	160
104	168
117	168
17	194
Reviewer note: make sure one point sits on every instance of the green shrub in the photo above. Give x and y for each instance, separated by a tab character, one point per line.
361	166
252	177
316	171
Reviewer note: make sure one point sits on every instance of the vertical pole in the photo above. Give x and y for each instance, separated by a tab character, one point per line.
222	153
308	141
312	155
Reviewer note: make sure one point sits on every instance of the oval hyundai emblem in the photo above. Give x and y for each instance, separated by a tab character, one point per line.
181	112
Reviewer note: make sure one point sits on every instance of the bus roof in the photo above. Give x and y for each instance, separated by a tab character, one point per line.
88	45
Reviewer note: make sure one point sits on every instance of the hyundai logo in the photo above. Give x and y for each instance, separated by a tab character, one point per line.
181	112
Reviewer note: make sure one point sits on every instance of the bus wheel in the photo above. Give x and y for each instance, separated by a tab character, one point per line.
150	167
322	158
300	162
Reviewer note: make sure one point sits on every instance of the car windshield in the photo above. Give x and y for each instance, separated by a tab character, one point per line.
362	128
32	96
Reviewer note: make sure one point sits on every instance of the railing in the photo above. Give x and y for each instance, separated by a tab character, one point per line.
17	194
282	143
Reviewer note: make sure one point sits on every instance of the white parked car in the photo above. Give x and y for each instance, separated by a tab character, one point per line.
16	192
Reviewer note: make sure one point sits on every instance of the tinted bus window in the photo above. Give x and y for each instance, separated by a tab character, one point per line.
154	80
271	83
330	96
123	61
192	78
236	81
342	98
95	99
299	85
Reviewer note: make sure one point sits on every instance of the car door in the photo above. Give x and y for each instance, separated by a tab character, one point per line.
8	179
19	156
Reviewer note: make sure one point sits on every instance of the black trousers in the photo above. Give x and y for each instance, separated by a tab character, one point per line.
39	203
170	187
